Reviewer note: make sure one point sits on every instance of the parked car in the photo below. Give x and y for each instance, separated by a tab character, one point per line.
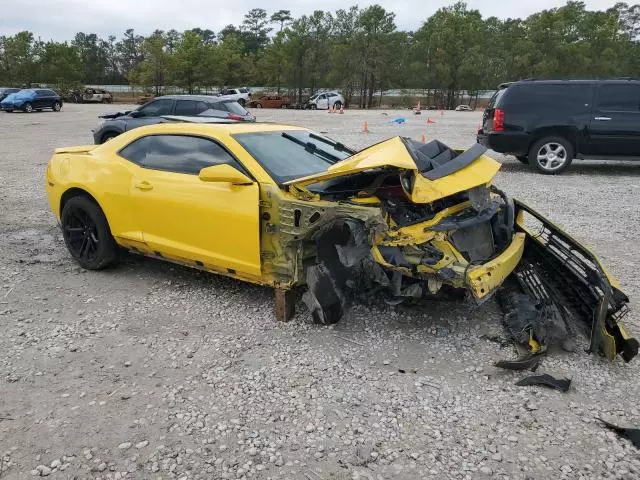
283	206
325	100
548	123
157	109
91	95
31	99
270	101
240	95
5	92
464	108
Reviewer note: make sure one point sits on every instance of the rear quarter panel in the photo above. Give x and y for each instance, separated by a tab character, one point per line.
104	176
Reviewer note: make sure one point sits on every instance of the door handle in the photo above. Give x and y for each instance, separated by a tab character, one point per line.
604	119
144	185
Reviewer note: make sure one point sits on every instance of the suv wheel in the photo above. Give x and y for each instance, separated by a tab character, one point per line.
337	105
56	107
28	107
551	155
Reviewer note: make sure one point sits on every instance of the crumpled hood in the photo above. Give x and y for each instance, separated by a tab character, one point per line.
442	171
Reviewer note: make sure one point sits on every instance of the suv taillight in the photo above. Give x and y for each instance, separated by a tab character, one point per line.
498	120
235	116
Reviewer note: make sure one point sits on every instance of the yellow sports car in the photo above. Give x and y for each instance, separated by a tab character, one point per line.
283	206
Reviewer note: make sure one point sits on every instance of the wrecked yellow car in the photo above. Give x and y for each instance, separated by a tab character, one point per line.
285	207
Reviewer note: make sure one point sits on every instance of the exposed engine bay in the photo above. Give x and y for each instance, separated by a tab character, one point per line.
441	225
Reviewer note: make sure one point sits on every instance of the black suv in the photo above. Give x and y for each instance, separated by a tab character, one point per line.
548	123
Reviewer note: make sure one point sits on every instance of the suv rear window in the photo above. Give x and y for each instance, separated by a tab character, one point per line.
619	97
496	97
235	107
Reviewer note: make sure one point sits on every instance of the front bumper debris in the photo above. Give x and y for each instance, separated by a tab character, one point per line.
560	287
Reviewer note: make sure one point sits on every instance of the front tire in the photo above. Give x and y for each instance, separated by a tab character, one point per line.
551	155
108	136
86	233
28	107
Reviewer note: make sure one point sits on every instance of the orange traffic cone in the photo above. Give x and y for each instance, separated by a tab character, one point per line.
416	110
424	138
341	109
365	127
429	121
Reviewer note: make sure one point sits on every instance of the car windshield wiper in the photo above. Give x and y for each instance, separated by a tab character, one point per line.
336	145
312	148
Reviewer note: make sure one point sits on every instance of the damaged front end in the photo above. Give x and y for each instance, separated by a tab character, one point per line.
404	220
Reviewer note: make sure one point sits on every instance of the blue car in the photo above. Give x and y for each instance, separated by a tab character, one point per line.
32	99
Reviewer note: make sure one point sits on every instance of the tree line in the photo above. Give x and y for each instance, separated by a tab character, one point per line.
359	50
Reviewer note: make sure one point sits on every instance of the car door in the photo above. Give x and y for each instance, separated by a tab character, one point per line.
615	125
151	113
322	102
40	100
214	224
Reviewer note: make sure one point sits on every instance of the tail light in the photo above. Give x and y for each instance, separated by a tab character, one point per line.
498	120
235	116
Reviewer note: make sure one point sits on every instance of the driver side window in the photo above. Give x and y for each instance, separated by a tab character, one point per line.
156	108
177	153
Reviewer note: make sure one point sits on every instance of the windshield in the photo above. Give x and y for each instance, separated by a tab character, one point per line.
291	154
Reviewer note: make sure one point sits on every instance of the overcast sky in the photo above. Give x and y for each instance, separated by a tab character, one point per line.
61	19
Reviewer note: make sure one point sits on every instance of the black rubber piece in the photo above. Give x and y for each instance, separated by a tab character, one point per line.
546	380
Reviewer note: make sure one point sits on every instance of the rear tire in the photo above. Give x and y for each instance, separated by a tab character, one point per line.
523	158
337	105
87	234
258	105
242	101
56	107
551	155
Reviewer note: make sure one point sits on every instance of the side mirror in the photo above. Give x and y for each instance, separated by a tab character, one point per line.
224	173
136	114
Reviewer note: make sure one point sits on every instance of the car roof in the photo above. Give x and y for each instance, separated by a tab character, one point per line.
570	81
195	128
202	98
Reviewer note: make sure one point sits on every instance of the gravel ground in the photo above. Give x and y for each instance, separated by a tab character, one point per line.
152	371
